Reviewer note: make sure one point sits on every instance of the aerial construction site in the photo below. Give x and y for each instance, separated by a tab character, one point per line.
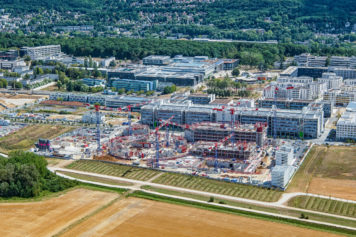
231	151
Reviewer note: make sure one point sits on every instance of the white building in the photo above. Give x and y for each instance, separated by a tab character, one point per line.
285	155
332	81
337	61
42	52
308	60
281	174
346	126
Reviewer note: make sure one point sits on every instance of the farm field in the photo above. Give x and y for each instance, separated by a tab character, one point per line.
113	169
324	205
282	211
328	171
220	187
26	137
46	218
140	217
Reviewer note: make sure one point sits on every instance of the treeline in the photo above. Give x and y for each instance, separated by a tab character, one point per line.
25	174
261	55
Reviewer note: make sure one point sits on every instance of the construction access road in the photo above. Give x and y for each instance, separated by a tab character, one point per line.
279	204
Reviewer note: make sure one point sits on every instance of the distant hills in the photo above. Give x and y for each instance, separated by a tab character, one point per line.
282	20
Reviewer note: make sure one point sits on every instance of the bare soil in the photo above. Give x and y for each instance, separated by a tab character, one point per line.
46	218
139	217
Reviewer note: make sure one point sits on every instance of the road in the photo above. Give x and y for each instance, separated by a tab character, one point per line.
195	200
138	184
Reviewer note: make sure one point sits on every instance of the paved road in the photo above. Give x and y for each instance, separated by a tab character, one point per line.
138	184
204	202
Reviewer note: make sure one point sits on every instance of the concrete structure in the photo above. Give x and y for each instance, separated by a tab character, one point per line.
281	174
240	152
214	132
134	85
340	97
285	155
346	125
41	52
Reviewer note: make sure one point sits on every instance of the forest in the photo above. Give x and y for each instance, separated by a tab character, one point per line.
283	20
261	55
25	175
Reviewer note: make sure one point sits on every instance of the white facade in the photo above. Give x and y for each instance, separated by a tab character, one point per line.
332	81
308	60
285	155
42	52
346	126
281	174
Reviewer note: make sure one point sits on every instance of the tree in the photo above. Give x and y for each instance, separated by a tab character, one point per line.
18	85
112	63
235	72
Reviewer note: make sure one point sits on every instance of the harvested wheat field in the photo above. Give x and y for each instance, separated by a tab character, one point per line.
46	218
140	217
337	188
327	171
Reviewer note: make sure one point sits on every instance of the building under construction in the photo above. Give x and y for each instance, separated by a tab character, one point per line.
240	151
214	132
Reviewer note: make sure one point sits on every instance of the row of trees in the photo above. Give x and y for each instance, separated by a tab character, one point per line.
25	174
262	55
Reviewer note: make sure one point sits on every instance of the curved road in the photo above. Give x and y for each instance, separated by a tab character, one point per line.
278	204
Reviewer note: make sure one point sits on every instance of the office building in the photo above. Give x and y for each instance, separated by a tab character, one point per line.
305	123
41	52
134	85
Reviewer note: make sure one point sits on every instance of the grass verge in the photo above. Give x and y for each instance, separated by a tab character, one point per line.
95	179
